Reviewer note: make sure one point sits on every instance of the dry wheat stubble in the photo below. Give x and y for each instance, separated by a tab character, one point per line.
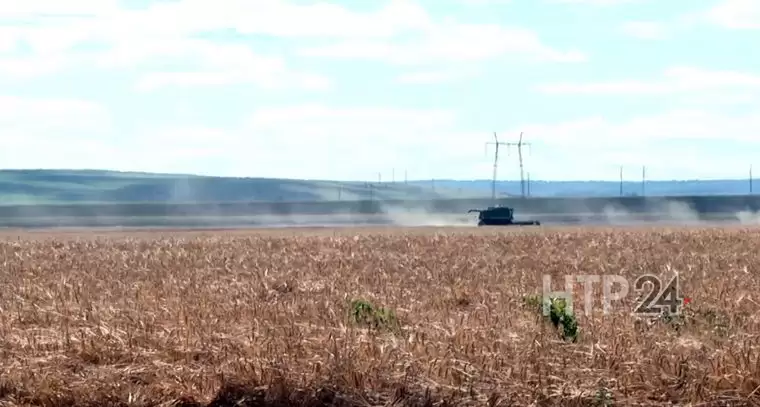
149	319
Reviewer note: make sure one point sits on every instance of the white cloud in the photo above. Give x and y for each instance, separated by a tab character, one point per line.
331	142
48	8
155	80
48	50
675	79
648	30
484	2
52	41
285	19
400	32
729	14
676	144
213	63
434	76
675	125
53	133
104	22
17	114
181	142
316	114
317	141
596	2
718	99
735	14
320	141
449	42
357	142
39	36
22	68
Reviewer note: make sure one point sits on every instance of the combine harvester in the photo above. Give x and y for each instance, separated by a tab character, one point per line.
500	216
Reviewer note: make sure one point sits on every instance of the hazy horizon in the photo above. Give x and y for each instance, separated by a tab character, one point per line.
384	180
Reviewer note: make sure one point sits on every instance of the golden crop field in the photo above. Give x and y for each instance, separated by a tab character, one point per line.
372	317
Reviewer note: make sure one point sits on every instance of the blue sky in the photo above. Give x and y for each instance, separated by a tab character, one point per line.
350	89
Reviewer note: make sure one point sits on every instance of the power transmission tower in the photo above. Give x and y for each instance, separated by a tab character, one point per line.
528	184
643	180
495	165
522	172
519	146
621	180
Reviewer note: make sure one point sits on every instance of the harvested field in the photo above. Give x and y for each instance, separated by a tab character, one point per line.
266	317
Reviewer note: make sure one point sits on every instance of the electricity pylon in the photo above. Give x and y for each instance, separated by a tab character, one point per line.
519	146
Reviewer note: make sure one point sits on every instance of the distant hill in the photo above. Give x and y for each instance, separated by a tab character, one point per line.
96	186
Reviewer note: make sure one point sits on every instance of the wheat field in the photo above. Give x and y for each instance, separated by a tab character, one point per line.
371	317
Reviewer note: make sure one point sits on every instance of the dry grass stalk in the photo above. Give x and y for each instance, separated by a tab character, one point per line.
208	320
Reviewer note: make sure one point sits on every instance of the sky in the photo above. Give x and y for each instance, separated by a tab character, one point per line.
361	89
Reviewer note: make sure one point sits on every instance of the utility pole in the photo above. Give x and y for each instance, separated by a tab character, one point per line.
643	181
406	180
495	166
522	176
528	183
621	180
519	145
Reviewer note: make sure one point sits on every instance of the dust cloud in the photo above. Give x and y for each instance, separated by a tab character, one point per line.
678	213
412	213
406	217
748	217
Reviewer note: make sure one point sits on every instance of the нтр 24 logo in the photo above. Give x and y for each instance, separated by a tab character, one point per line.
660	300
